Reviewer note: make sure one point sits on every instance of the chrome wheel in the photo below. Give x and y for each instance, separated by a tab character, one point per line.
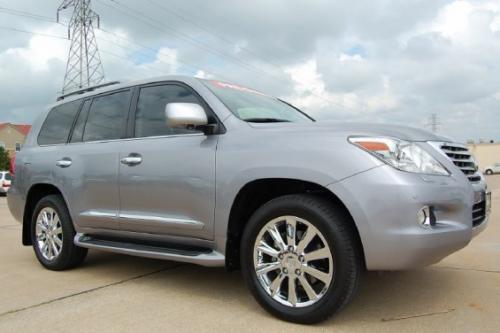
49	235
293	261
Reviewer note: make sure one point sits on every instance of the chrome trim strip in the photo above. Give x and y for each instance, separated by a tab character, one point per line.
175	222
97	213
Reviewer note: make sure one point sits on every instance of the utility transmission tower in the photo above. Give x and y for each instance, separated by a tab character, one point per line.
84	67
434	123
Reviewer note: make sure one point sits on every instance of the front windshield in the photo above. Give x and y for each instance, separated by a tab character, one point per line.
253	106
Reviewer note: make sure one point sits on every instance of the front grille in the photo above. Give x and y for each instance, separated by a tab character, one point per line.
478	213
463	159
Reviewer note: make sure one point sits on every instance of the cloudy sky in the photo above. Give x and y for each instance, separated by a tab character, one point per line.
386	61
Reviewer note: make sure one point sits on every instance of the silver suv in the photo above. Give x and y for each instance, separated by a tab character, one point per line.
216	174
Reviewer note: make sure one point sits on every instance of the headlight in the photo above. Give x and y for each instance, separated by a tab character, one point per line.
402	155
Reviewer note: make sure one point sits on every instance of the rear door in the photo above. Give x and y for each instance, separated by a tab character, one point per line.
87	167
167	175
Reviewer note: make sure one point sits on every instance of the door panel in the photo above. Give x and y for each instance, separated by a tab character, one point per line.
90	183
88	170
167	174
172	190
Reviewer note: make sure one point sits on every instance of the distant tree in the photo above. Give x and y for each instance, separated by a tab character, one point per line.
4	159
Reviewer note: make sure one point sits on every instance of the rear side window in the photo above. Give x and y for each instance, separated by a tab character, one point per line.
150	114
8	176
57	125
107	116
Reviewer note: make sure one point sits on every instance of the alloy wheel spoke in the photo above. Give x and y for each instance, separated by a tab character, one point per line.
311	294
55	250
266	268
292	294
306	239
49	249
276	284
276	236
267	249
291	224
58	231
58	241
322	253
322	276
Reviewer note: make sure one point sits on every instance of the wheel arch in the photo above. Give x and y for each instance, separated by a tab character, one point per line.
256	193
35	194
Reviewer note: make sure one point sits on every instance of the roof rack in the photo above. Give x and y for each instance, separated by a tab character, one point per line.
87	89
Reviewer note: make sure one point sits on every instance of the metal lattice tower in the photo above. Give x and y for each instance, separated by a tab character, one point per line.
434	123
84	67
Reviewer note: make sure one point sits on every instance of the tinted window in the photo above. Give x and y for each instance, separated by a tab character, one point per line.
150	113
106	117
58	123
80	123
254	106
8	176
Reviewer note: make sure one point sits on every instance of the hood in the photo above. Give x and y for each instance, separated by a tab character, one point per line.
350	128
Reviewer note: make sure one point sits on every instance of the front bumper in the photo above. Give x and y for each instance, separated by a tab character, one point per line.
384	203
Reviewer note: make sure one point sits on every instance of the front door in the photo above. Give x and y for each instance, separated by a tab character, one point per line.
166	175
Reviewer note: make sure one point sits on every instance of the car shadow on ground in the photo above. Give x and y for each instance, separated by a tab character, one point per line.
382	296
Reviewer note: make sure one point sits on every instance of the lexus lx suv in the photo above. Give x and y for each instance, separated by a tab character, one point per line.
216	174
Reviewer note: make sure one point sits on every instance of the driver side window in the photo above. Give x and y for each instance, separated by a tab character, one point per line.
150	113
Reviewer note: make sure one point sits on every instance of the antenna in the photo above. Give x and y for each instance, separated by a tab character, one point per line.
84	67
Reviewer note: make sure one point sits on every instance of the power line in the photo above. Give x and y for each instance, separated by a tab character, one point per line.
33	32
211	31
174	32
148	19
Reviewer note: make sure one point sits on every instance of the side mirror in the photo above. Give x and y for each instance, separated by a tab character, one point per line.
185	115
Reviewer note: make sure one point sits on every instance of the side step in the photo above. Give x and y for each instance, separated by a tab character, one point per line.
203	257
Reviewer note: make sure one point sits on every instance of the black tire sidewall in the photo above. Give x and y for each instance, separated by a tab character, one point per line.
339	241
489	172
57	203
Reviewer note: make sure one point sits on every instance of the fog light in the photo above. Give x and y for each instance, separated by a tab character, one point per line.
426	217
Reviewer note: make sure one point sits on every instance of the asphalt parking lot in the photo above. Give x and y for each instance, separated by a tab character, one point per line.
115	293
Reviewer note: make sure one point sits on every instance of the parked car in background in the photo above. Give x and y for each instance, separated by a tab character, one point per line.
5	179
216	174
491	169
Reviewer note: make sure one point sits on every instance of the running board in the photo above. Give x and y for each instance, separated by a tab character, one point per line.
203	257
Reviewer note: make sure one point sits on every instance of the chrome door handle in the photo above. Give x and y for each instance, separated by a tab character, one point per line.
131	160
64	163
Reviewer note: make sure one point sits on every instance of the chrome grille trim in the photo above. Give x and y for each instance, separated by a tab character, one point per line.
460	156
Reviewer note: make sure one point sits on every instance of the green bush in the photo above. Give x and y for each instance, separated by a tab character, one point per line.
4	159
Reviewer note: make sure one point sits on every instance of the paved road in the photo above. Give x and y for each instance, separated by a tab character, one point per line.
120	293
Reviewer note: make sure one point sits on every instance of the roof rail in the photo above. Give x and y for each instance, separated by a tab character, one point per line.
87	89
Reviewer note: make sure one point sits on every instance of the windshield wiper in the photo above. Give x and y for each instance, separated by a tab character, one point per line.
267	120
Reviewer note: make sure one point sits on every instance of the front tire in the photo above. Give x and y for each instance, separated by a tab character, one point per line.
300	259
489	172
52	234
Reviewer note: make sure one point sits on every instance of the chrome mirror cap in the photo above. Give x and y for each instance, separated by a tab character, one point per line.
185	114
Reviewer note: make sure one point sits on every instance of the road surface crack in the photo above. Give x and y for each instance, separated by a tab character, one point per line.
419	315
89	290
468	269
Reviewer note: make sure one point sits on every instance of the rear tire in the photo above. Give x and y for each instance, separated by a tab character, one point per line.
340	262
52	235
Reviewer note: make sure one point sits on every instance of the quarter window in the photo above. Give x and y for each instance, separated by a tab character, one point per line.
107	117
58	123
150	114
